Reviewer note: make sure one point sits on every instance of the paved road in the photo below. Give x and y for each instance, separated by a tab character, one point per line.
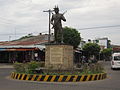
112	83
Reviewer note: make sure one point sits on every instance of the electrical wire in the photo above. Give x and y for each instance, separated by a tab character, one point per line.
100	27
78	29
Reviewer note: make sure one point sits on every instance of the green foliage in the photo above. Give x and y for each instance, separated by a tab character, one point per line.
85	69
93	68
91	49
71	36
109	44
96	68
99	68
24	37
107	53
63	73
19	67
29	67
96	41
41	64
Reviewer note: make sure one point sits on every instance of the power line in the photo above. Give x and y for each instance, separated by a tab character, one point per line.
99	27
21	33
13	34
78	29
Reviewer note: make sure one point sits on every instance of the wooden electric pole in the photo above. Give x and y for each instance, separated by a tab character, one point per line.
49	11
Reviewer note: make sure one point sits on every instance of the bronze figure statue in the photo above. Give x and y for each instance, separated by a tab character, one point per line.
57	25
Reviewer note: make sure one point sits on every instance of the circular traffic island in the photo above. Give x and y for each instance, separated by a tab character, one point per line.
35	71
58	78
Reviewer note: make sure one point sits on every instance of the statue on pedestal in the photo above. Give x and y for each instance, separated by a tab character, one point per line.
57	25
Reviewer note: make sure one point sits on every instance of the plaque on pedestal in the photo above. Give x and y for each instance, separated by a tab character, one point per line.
59	57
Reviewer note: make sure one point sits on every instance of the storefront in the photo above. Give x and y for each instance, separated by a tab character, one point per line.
20	54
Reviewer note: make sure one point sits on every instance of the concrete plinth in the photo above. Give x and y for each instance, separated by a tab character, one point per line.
59	57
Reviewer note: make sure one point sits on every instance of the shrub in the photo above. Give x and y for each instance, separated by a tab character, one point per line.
99	68
28	67
32	66
41	64
93	68
19	67
78	65
85	69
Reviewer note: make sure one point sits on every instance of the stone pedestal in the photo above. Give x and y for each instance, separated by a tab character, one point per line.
59	57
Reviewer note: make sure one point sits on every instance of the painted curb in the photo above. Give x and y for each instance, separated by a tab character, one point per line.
58	78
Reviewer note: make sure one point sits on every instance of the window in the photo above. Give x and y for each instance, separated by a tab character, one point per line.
117	58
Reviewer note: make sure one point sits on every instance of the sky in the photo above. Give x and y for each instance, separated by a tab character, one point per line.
22	17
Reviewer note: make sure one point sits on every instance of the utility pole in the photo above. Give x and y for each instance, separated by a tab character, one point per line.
49	11
9	38
15	33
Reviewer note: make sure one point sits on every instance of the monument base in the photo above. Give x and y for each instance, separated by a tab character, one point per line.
59	57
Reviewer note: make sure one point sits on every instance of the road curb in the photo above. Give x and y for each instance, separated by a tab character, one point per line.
59	78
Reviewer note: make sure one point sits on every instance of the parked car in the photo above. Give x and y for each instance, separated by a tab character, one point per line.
115	62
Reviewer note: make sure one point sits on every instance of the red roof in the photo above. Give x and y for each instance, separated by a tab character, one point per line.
116	48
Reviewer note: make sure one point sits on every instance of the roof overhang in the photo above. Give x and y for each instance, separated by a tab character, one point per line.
22	48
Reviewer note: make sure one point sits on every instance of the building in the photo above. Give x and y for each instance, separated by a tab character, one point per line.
82	43
23	50
116	48
103	42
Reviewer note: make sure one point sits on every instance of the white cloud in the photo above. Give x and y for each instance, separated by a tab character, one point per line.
27	16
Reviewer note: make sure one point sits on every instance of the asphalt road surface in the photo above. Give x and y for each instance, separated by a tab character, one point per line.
111	83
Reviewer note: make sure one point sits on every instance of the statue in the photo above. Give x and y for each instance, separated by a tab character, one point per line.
57	25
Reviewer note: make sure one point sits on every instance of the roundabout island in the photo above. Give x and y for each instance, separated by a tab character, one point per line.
32	71
59	78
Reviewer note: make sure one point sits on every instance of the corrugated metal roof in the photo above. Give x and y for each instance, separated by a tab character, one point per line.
34	42
22	43
21	48
28	41
18	49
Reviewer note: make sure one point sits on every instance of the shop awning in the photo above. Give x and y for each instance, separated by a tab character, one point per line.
22	48
18	49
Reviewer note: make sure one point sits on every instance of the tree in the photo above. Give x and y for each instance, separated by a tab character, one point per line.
109	44
71	36
27	36
91	49
89	40
106	53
